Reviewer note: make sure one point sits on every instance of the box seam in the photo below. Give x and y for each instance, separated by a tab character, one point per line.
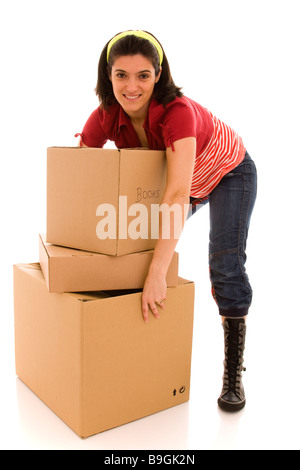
81	372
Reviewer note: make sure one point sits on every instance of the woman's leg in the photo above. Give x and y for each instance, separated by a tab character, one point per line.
231	204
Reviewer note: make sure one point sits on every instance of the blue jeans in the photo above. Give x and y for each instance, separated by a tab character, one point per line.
231	204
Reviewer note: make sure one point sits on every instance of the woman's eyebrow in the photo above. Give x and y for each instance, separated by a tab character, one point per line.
141	71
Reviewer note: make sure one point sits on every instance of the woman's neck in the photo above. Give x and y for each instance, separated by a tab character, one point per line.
138	117
138	121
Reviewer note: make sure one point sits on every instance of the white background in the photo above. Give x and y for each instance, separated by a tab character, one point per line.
240	59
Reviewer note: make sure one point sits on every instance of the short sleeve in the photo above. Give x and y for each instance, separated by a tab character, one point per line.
179	122
93	134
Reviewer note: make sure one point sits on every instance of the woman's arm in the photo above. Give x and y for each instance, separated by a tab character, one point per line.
180	165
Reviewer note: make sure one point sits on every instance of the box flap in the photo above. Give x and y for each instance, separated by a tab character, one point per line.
143	188
88	296
59	251
78	181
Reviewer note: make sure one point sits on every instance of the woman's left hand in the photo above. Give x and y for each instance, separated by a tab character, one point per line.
154	295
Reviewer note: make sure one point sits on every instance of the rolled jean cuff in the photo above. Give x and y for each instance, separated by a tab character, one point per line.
234	312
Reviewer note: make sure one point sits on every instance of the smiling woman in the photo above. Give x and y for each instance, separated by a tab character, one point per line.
133	79
131	45
140	105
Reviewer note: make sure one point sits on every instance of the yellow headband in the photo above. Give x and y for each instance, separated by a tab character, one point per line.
140	34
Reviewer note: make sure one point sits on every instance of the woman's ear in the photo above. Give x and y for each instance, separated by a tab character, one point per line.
158	76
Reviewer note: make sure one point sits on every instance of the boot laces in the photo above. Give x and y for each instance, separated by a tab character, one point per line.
234	341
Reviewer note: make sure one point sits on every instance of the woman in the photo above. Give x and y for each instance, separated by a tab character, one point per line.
140	105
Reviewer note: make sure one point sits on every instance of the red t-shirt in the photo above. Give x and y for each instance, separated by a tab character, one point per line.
219	149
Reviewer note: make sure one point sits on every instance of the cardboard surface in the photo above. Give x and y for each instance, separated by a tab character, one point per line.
80	181
91	358
70	270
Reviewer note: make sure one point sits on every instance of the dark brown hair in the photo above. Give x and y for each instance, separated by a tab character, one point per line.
165	89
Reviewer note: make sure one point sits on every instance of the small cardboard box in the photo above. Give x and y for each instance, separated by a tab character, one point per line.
70	270
93	360
100	200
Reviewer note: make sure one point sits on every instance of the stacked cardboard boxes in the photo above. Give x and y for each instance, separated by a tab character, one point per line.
81	343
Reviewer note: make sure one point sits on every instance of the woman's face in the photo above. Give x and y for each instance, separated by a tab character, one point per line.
133	80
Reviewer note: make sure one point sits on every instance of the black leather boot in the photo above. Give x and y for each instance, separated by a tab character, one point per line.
232	397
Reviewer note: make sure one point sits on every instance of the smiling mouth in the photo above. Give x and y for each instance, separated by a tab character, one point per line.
132	97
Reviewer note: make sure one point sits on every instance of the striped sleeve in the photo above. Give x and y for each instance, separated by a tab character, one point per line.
223	153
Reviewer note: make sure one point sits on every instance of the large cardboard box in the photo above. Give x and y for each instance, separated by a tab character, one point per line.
70	270
93	360
100	200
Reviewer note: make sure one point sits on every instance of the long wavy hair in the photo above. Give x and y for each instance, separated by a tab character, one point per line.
165	89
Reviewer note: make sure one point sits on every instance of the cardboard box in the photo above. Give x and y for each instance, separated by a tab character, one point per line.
93	360
100	200
70	270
